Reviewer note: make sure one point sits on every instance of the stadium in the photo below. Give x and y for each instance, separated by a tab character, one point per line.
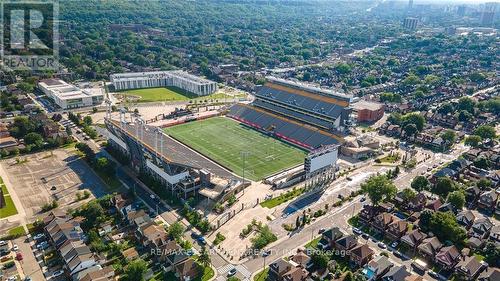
289	131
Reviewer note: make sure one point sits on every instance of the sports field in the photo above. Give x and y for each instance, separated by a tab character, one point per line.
158	94
223	139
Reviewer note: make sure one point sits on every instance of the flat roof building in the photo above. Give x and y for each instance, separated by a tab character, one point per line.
68	96
180	79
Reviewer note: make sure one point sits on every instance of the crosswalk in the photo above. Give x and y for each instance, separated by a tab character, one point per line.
242	271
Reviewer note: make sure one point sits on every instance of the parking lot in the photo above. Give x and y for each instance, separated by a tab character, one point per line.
54	175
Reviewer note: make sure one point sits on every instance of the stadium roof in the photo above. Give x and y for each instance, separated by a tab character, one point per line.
173	151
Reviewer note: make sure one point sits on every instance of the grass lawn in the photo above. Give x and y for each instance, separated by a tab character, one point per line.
158	94
313	244
223	139
17	231
208	273
261	276
287	196
10	208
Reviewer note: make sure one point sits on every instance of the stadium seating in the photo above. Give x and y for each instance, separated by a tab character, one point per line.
313	107
302	135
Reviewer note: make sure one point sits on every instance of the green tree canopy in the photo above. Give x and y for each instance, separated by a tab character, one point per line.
379	188
420	183
457	199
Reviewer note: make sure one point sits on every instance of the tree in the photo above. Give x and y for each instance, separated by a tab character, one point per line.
446	108
444	225
410	129
349	276
379	188
34	139
473	140
464	116
22	125
467	104
457	199
483	183
105	165
204	258
320	260
482	162
175	231
297	222
87	151
485	132
233	278
135	271
407	195
420	183
491	254
414	118
449	137
87	120
443	186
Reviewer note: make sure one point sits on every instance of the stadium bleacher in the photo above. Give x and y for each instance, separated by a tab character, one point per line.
314	109
294	132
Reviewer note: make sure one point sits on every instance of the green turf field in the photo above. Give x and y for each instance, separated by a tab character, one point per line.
158	94
222	139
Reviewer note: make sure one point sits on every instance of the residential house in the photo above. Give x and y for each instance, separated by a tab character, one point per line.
278	269
296	274
121	203
396	229
368	213
329	237
448	257
377	268
495	233
466	218
302	259
138	218
434	205
95	273
130	254
429	247
481	228
475	243
187	270
361	255
490	274
152	235
396	273
346	243
418	202
413	238
472	195
469	267
382	221
488	200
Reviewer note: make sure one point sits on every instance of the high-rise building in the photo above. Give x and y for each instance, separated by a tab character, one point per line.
410	23
461	10
410	4
488	14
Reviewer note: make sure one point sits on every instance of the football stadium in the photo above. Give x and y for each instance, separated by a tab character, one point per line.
288	126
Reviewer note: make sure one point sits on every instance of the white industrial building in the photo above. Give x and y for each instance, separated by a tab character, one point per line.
177	78
68	96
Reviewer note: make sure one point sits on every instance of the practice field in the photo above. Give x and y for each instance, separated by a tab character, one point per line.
223	139
158	94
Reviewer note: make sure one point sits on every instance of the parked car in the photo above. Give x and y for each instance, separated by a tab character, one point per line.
381	245
39	236
201	240
321	230
57	273
231	272
19	256
357	231
266	253
15	248
394	244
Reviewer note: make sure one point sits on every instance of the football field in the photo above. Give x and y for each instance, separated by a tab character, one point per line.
158	94
223	140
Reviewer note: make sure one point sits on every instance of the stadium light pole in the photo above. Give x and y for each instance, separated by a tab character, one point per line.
244	155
